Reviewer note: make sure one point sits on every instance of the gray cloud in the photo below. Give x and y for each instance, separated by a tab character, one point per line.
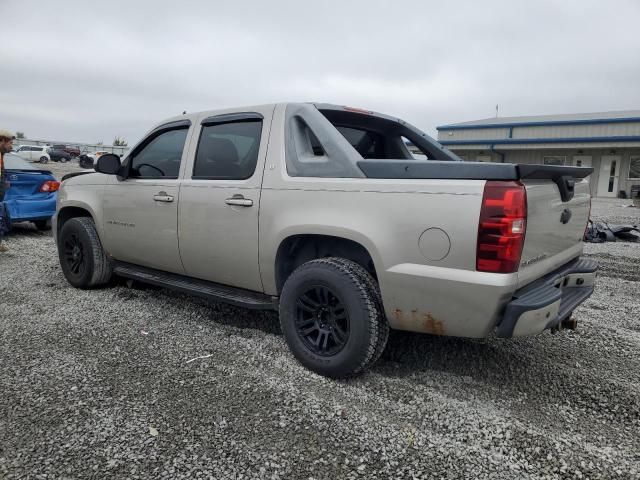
88	71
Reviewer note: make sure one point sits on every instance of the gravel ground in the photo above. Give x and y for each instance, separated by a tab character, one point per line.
100	384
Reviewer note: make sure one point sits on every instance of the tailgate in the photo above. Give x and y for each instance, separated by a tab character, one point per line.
556	221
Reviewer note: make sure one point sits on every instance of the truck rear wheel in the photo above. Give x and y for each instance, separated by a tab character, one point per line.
82	258
332	317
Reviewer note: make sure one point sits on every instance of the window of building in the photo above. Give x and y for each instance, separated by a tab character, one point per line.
554	160
634	167
228	151
160	157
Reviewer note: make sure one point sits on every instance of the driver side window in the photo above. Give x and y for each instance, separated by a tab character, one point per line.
160	158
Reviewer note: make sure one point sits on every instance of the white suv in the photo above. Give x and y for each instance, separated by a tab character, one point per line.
34	153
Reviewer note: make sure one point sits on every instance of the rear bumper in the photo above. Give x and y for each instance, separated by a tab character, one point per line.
26	209
548	301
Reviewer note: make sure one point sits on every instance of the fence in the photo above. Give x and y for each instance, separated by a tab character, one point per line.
84	147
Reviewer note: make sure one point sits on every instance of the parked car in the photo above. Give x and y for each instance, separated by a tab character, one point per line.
72	150
58	154
34	153
32	193
336	226
85	161
97	154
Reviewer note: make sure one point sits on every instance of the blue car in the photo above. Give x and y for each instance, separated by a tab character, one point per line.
32	193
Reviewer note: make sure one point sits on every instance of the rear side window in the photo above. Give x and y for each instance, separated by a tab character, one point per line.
228	151
160	157
367	143
416	152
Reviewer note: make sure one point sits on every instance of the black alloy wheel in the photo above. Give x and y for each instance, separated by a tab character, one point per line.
322	321
332	317
74	255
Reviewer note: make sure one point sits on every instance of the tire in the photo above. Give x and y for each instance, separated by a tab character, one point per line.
331	317
373	286
43	225
82	258
43	159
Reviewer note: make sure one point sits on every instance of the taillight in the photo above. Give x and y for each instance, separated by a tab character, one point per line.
50	186
503	221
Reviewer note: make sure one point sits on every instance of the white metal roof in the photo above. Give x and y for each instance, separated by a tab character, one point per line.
571	117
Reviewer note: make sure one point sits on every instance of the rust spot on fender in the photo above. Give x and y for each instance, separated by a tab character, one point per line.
418	322
431	325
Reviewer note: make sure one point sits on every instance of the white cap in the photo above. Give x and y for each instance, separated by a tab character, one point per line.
6	133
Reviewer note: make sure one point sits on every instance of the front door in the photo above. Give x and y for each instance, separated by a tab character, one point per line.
220	200
609	173
141	212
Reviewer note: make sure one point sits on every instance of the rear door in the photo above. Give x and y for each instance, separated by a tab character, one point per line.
220	199
36	153
141	212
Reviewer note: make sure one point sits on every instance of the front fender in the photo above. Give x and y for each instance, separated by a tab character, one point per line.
76	198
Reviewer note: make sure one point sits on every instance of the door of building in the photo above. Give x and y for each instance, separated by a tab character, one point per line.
609	173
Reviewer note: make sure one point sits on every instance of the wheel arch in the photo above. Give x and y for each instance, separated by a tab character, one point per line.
68	212
296	249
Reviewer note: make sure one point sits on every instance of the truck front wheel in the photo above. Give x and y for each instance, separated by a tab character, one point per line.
82	258
332	317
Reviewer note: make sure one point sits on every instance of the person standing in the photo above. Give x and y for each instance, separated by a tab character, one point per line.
6	144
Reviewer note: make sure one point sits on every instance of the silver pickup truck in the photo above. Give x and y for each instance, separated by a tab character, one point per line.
346	221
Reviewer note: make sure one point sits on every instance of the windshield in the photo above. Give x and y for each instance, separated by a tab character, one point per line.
14	162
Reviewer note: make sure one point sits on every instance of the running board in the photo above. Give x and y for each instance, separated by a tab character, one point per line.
201	288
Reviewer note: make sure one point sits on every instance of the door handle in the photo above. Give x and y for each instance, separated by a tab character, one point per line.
163	197
239	200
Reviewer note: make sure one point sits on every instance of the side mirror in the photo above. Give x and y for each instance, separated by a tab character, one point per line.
108	164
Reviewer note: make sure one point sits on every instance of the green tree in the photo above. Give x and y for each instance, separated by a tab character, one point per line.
20	135
119	142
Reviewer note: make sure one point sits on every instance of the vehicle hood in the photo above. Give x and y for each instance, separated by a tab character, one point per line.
88	177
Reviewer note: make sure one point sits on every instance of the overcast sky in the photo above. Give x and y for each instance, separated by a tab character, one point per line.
88	71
